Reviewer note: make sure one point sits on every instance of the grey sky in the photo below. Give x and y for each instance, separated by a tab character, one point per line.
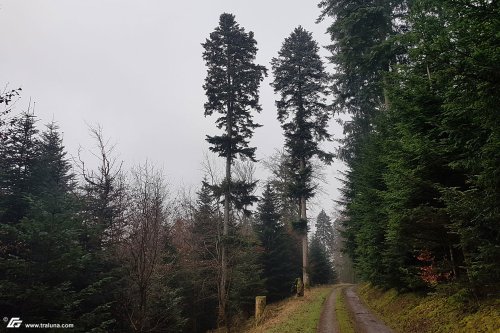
135	67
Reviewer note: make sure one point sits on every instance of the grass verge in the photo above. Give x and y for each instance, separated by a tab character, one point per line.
299	315
342	313
411	313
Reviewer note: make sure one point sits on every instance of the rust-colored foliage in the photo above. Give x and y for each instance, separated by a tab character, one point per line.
430	273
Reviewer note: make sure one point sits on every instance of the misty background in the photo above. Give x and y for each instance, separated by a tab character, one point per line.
136	69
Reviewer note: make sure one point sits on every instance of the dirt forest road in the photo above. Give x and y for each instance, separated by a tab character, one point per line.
362	319
328	321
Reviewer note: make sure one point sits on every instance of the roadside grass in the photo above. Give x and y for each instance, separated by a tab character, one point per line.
411	313
300	315
343	314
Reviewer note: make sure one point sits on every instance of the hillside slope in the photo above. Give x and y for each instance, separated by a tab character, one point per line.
435	313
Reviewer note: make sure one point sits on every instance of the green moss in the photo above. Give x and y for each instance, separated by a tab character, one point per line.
343	317
434	313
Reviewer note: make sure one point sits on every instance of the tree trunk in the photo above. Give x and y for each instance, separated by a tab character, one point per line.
387	102
222	316
223	292
303	216
452	260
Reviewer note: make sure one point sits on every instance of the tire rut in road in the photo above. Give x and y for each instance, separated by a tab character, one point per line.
327	320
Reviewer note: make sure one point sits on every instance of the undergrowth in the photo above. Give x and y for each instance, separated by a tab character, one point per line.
434	313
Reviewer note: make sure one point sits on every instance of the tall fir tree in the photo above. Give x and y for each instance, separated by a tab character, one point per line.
364	51
301	81
231	87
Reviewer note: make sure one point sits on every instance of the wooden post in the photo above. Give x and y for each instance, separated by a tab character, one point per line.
260	305
299	288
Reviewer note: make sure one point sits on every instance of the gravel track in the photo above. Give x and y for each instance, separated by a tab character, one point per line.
364	320
327	320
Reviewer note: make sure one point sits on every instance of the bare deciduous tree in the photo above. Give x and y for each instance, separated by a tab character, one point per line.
143	249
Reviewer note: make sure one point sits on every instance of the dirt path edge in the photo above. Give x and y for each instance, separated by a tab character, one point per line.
364	320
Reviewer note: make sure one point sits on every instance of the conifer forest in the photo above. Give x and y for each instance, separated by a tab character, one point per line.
111	246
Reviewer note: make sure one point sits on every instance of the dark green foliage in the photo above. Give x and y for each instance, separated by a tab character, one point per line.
52	169
362	51
47	275
279	269
300	226
422	193
462	68
41	264
365	227
325	232
301	81
241	196
320	266
281	168
18	156
231	86
205	225
246	274
199	279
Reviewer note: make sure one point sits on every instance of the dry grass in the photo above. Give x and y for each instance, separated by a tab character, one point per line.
295	314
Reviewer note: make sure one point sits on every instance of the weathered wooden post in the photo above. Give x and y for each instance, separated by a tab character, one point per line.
300	288
260	305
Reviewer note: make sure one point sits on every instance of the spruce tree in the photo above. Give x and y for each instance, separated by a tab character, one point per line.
18	155
279	272
52	167
301	81
321	266
362	53
325	231
443	157
203	282
231	87
421	195
48	238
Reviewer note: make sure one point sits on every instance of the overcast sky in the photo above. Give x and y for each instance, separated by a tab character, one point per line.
135	67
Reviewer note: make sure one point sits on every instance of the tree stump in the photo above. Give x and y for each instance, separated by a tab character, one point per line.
260	305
